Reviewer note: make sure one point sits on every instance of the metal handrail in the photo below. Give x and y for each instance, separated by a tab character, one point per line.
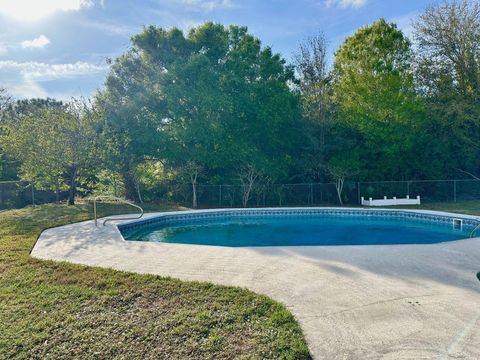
102	197
474	230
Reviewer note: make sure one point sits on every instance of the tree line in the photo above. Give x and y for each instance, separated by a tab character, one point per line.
214	106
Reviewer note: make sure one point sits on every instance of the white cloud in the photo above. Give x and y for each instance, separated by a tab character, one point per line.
23	79
112	28
43	71
207	5
38	42
33	10
3	49
344	4
26	88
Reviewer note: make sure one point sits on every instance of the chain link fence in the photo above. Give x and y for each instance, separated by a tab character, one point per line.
316	194
428	190
17	194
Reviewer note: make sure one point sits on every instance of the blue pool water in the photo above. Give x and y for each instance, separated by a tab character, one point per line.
298	231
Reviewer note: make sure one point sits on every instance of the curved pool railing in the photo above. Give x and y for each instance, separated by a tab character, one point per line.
472	234
124	201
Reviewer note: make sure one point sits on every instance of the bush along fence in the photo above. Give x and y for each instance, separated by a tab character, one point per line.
16	194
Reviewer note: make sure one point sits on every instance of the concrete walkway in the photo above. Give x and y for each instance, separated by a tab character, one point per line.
352	302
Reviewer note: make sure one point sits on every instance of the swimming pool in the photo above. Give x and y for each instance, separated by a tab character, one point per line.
298	227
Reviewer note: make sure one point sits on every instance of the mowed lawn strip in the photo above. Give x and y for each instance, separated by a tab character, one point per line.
61	310
471	207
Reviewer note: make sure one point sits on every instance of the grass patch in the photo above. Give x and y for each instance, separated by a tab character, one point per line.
61	310
471	207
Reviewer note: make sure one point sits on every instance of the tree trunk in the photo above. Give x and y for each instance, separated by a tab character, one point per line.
139	194
57	191
193	181
339	187
246	194
194	195
72	186
248	177
114	187
130	187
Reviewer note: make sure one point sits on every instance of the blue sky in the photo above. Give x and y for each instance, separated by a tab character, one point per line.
58	48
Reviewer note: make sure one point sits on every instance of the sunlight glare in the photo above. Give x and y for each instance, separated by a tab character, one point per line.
31	10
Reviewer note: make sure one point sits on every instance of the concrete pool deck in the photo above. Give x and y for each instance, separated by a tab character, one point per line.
352	302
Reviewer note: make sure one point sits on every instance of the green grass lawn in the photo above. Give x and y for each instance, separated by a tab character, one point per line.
52	310
463	207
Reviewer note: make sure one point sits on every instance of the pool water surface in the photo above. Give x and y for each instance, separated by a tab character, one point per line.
290	230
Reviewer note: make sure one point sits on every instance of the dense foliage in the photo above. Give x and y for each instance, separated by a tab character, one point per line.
214	106
448	70
209	104
375	95
56	144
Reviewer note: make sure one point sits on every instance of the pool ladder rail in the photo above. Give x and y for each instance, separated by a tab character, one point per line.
475	229
121	200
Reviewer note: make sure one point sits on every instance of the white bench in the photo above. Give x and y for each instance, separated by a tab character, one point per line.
393	201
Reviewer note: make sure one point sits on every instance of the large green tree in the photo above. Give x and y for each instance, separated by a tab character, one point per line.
374	90
132	112
213	99
314	83
11	112
54	146
448	71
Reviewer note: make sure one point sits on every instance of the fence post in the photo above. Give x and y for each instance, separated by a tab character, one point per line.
33	195
358	193
311	194
454	190
408	187
220	196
